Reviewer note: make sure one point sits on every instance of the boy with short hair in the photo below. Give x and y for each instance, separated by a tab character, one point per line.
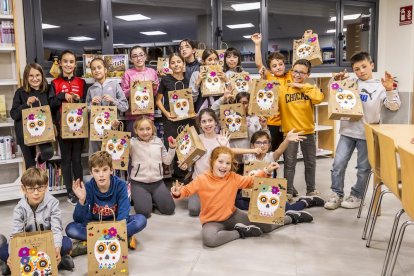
39	211
374	93
104	192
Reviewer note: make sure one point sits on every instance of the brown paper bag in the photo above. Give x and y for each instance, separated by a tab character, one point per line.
163	66
307	48
233	118
223	48
117	143
181	104
199	52
55	69
37	125
74	120
141	97
3	113
240	82
268	201
212	85
33	254
101	120
250	169
344	101
107	248
189	146
264	98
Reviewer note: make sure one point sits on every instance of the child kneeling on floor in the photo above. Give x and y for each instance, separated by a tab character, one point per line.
36	211
104	191
221	221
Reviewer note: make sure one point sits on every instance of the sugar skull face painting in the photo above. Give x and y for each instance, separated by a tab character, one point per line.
34	263
74	119
242	85
265	99
184	145
142	98
108	249
304	50
116	148
233	120
182	107
36	124
213	82
102	122
268	200
346	99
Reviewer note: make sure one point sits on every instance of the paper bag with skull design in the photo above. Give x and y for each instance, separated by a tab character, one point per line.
240	82
163	66
74	121
212	85
37	125
141	97
250	169
107	248
268	201
199	52
264	98
101	120
117	143
233	118
33	254
189	146
181	104
344	101
221	52
307	48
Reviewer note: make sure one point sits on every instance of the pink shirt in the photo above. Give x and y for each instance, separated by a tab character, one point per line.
148	74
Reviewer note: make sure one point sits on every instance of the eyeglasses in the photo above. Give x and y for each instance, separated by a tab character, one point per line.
260	143
40	189
138	56
299	73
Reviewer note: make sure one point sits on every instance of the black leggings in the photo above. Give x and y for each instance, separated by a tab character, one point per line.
277	136
29	154
71	163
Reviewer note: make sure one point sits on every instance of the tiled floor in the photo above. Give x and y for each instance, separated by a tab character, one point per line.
331	245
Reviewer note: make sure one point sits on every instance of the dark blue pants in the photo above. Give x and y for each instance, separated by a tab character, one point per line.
243	204
135	223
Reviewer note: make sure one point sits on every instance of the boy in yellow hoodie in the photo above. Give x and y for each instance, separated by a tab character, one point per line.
296	101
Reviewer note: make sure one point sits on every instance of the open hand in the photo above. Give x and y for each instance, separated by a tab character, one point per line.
223	138
176	188
293	136
388	81
79	190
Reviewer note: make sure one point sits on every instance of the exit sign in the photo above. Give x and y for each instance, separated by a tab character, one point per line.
406	15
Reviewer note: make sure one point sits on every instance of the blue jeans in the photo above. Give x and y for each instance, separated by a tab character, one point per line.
64	250
344	150
135	223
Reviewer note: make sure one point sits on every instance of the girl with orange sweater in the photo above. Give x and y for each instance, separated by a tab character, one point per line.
221	221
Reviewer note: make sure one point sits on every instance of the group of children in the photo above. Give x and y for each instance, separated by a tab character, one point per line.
214	192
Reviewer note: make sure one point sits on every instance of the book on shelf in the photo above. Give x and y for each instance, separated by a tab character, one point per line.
6	7
55	177
6	33
116	64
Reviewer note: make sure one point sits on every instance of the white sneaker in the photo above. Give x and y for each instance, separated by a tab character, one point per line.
334	202
351	202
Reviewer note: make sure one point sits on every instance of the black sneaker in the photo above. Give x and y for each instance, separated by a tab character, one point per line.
248	231
4	268
72	199
66	263
295	192
79	248
312	201
299	216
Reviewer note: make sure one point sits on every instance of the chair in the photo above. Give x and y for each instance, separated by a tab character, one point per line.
407	176
374	161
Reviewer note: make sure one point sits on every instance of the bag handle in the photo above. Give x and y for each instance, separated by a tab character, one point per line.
221	45
239	67
307	34
201	44
120	126
106	208
175	85
181	128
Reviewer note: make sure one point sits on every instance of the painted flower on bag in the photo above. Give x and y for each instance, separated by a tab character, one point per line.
275	190
335	86
33	252
227	112
221	56
24	252
264	188
174	96
107	115
31	116
269	86
313	39
105	231
247	78
80	111
25	260
212	74
112	232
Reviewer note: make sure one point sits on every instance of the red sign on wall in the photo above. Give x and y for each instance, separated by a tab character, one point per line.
406	15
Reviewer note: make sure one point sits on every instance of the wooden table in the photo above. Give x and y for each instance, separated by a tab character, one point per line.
402	135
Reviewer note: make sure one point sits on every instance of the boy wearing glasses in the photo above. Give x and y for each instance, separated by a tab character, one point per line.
374	94
39	211
296	101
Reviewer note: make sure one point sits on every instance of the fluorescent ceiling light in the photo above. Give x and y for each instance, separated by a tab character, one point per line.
119	44
331	31
246	7
133	17
240	26
347	17
153	33
80	38
177	40
49	26
247	36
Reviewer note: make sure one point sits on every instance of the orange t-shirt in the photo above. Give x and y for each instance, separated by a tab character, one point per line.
283	80
217	195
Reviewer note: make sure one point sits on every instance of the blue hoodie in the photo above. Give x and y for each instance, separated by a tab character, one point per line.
116	198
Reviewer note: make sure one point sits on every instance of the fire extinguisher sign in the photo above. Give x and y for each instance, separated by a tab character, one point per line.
406	15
